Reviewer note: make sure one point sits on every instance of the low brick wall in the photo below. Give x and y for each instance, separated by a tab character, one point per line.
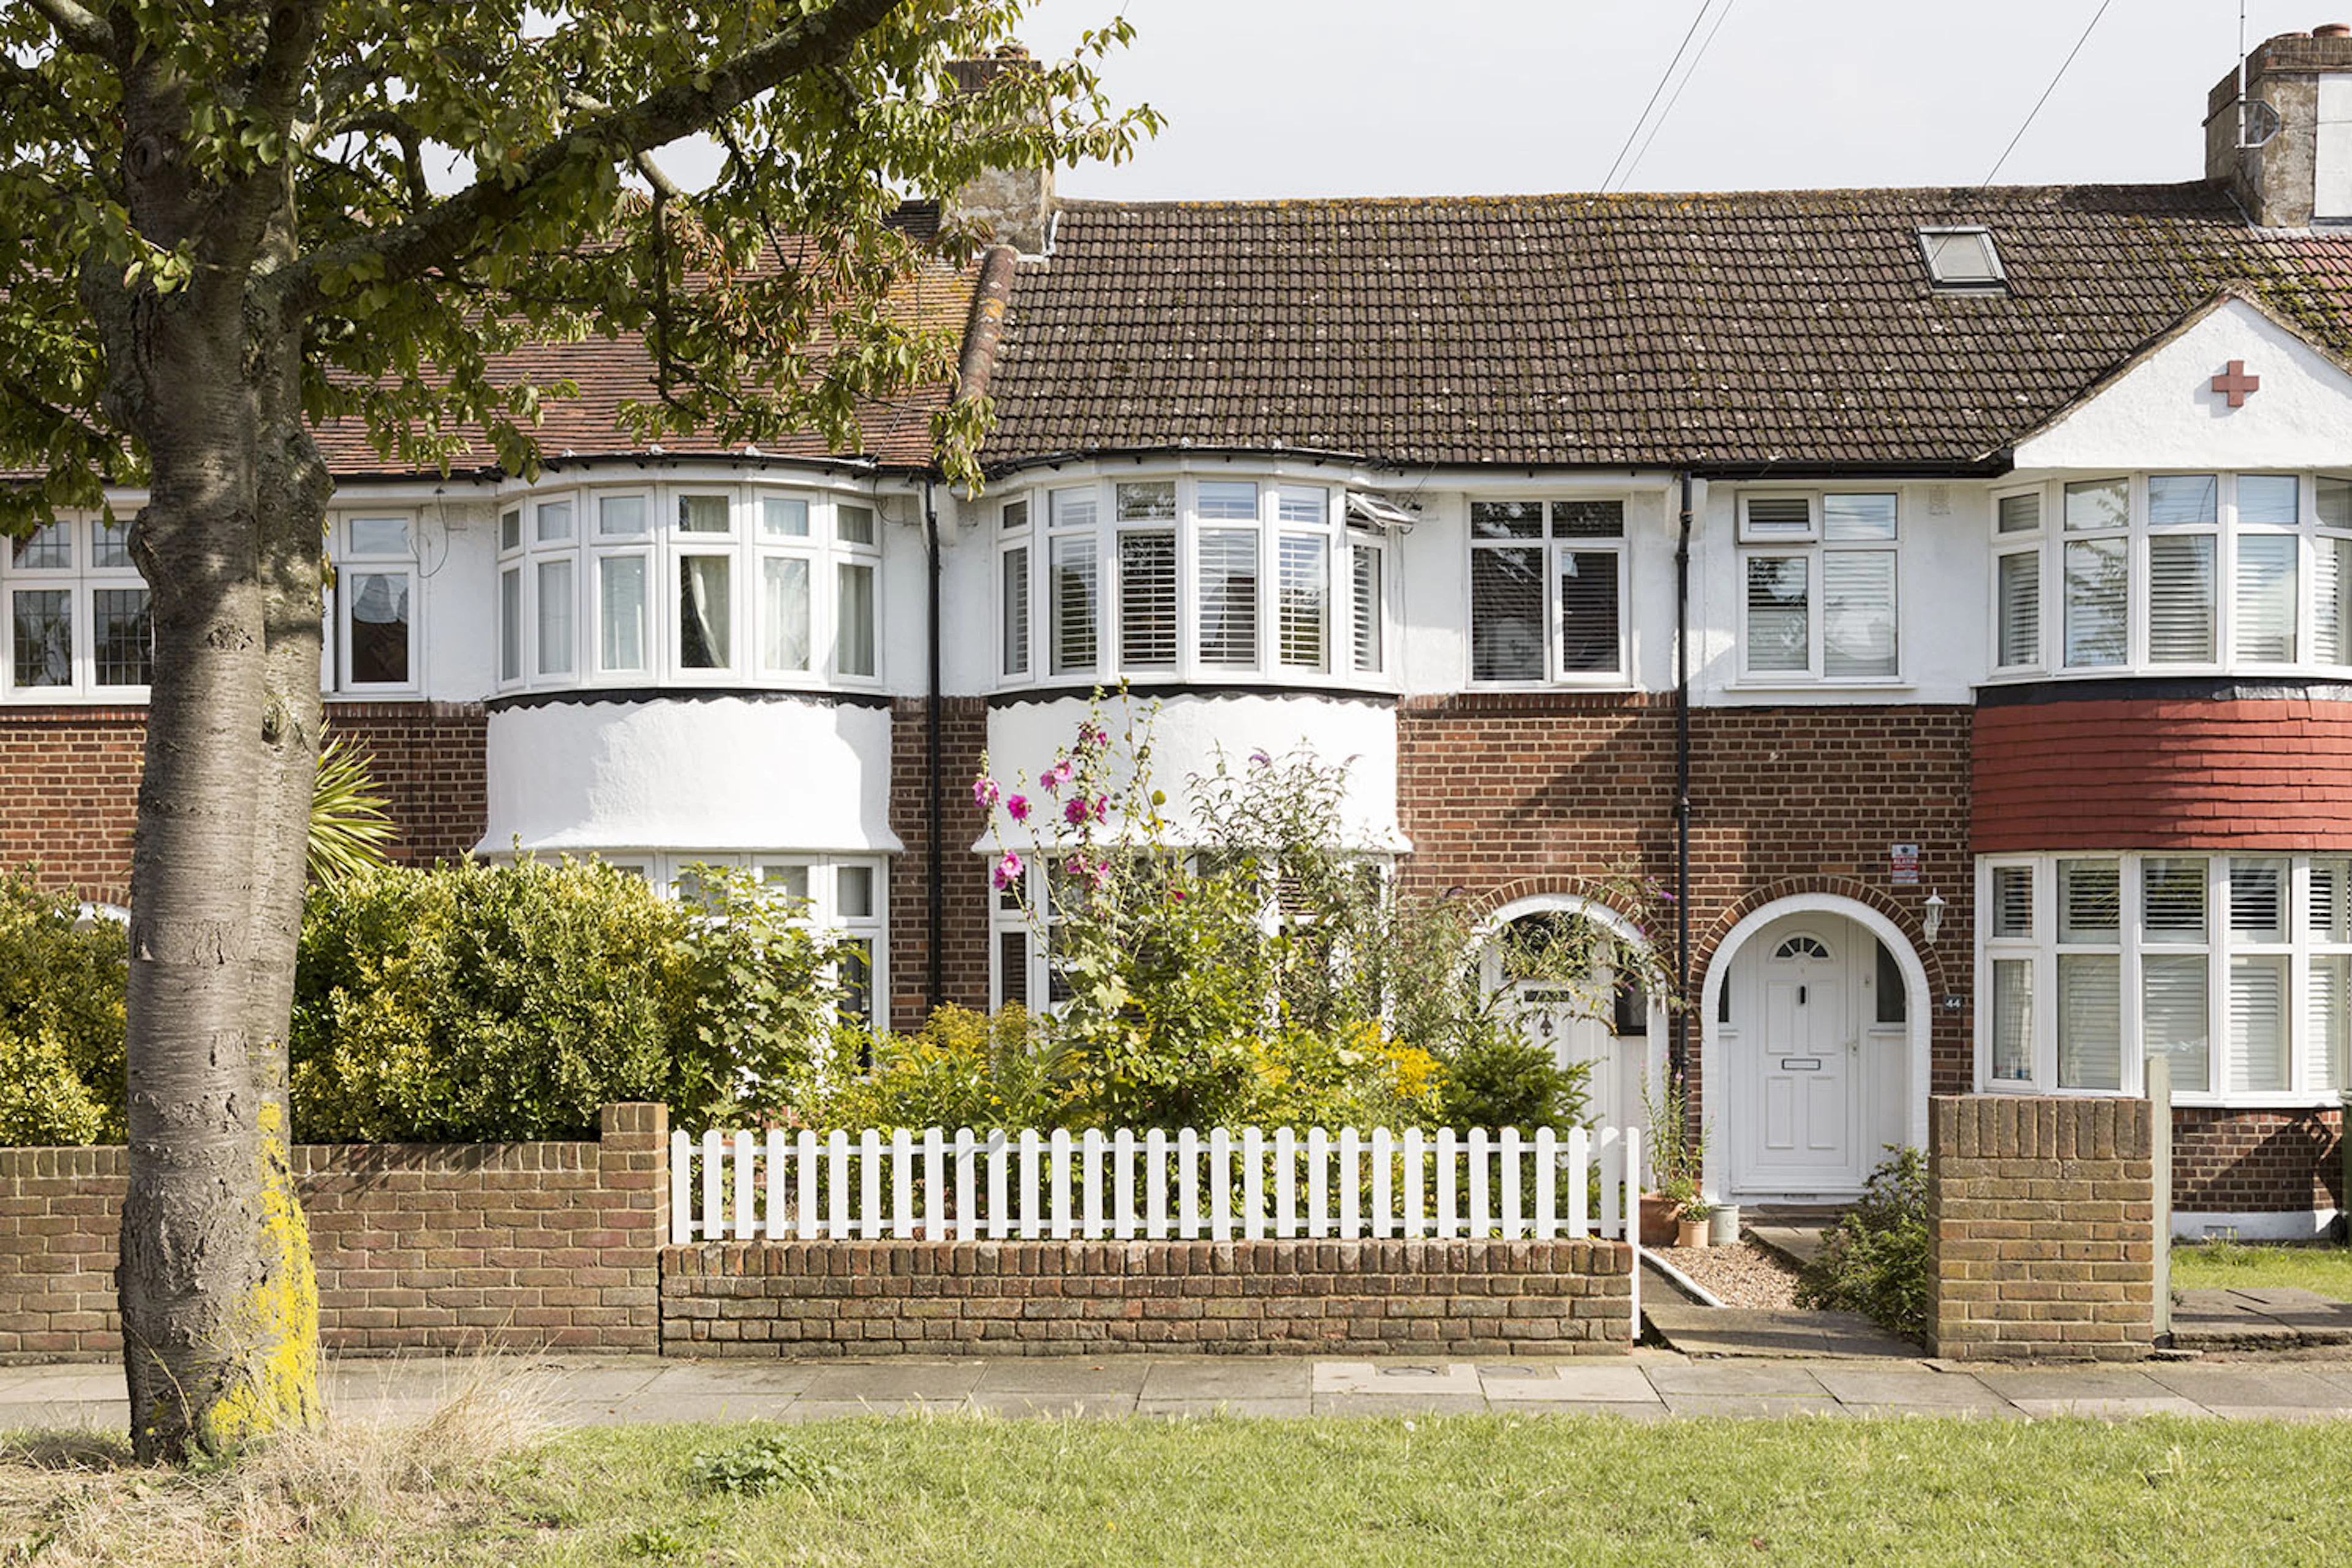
418	1247
2041	1226
1009	1297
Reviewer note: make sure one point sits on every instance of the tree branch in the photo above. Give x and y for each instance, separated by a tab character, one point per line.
456	224
79	30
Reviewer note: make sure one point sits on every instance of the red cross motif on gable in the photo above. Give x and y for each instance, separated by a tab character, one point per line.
2236	384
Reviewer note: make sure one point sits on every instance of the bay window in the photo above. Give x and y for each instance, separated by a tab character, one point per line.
79	622
1180	577
2234	967
1547	586
698	585
1819	587
2174	572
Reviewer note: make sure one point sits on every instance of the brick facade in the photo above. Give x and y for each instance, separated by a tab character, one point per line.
418	1247
964	737
2270	774
2041	1228
71	778
2256	1161
1471	1297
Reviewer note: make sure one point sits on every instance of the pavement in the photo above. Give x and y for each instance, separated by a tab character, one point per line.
1771	1334
1648	1385
2281	1318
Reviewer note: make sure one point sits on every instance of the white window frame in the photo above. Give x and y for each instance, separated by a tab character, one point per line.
81	580
2042	949
1815	547
1553	547
350	562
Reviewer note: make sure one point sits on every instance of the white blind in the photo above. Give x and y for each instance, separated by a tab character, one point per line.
1070	608
2329	1008
1506	613
2266	597
1779	601
1778	517
2324	916
1147	595
555	613
787	635
2090	1021
2180	612
1228	591
2172	898
1588	638
2098	587
1364	566
1858	612
2013	1018
2013	900
2332	617
2175	1016
2258	900
1016	610
621	612
509	624
2021	515
2021	605
2090	900
2257	1024
1303	631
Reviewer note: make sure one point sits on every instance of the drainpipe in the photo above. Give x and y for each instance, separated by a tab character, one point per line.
935	867
1678	1052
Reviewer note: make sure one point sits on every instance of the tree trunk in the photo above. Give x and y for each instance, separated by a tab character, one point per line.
219	1301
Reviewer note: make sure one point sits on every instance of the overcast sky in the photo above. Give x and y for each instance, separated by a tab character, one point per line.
1312	97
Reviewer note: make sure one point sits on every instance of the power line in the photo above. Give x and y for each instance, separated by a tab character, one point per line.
2045	93
1668	112
1663	77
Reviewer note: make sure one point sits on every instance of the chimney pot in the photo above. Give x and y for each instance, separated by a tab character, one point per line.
2333	30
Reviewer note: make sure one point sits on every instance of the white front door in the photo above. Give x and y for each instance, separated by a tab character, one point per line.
1557	1017
1793	1044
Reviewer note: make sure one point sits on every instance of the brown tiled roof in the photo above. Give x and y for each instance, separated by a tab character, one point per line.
1714	331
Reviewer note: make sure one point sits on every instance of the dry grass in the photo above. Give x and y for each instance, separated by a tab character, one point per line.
357	1490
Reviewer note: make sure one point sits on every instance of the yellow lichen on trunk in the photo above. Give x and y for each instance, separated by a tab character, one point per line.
275	1328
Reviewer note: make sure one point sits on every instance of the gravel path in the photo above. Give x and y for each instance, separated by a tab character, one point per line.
1741	1276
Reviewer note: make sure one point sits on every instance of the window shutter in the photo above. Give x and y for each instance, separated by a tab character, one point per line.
2331	622
2020	605
1016	610
2090	1021
2179	599
2021	515
2013	1019
2090	900
2330	1009
2266	597
1228	594
1364	563
2257	1019
1589	640
2172	898
1779	634
1071	607
2258	900
1506	613
2013	900
1778	517
1304	560
1147	596
2098	587
2174	1017
2324	916
1858	614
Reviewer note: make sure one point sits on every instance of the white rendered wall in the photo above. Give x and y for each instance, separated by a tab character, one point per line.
724	772
1187	733
2163	412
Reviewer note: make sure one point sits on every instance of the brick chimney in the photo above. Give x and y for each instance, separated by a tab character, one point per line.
1014	204
2302	83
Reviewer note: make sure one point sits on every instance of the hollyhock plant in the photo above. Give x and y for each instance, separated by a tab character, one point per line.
1017	807
1008	871
984	791
1075	811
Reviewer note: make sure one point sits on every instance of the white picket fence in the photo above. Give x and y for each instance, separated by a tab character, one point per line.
1221	1186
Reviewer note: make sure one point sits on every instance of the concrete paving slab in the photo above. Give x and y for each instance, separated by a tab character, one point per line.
1282	1409
1229	1377
1753	1333
1714	1378
1062	1377
2272	1296
93	1414
673	1408
1108	1405
72	1381
2110	1407
1902	1385
2060	1383
696	1377
2251	1385
1395	1405
1627	1409
1751	1405
1983	1407
1404	1379
1798	1243
1571	1384
895	1379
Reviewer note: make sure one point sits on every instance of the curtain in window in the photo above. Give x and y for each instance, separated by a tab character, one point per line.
2013	1019
554	617
2098	587
1147	594
2020	605
1364	566
1778	602
1228	593
705	615
2175	1016
2181	598
379	628
1304	560
1016	611
2257	1024
1858	611
2266	600
2090	1021
1506	613
1071	605
620	613
511	623
854	612
787	632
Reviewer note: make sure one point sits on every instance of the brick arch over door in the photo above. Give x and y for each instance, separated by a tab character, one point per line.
1906	919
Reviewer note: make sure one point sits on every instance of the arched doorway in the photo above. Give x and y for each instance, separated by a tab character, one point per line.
1813	1050
1603	1016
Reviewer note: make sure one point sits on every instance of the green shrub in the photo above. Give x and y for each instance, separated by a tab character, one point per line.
1875	1261
1502	1080
61	1020
963	1069
476	1000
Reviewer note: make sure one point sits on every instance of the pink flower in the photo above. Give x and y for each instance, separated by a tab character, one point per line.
1054	778
984	791
1090	736
1259	759
1100	874
1176	894
1102	808
1008	871
1075	811
1017	807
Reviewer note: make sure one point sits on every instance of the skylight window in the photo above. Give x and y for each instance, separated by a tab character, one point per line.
1962	258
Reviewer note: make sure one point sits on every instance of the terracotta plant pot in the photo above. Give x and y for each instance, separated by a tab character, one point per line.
1690	1233
1657	1228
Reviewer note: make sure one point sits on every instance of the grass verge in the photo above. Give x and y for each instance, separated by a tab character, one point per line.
2226	1265
1495	1489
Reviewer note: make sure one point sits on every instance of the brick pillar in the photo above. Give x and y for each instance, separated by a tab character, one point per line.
2041	1229
632	1177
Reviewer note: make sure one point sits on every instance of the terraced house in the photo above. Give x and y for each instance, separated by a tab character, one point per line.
1948	592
